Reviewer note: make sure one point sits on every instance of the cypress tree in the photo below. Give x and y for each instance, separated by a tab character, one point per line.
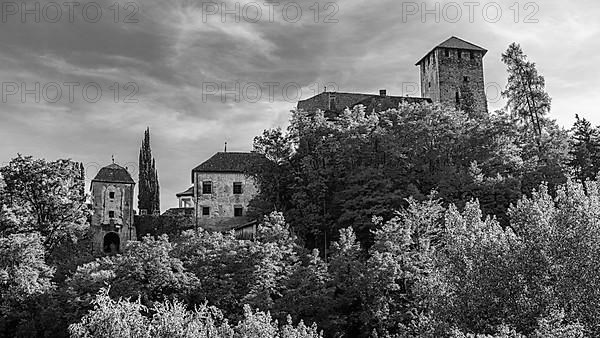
148	187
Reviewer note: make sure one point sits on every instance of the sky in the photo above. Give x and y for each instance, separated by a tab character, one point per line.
84	80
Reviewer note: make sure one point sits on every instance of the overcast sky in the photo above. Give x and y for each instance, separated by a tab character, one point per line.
171	60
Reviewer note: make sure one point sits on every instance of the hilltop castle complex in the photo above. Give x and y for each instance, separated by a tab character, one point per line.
450	73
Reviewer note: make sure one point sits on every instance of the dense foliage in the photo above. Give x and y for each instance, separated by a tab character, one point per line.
328	174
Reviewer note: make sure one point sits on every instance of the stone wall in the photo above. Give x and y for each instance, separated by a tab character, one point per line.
222	201
452	73
122	206
429	77
443	76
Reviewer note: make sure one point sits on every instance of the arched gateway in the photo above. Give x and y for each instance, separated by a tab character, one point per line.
111	243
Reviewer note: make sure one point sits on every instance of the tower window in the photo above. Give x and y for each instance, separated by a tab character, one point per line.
447	52
459	52
111	214
207	187
429	84
237	188
111	195
472	55
331	102
238	211
457	98
205	211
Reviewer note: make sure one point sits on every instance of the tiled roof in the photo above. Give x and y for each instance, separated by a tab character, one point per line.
179	212
455	43
349	100
113	173
227	162
188	192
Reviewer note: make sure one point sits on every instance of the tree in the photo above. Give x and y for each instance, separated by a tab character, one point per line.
525	90
44	197
124	318
271	172
146	270
24	278
149	190
347	269
401	259
235	272
585	149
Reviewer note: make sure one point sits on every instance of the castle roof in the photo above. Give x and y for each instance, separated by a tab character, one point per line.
455	43
113	173
349	100
231	162
188	192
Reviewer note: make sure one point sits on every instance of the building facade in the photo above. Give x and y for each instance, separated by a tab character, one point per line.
112	202
222	191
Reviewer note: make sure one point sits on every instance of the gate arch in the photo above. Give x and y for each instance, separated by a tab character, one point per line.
111	243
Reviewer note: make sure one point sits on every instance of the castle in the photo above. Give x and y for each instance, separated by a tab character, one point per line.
220	192
217	200
449	73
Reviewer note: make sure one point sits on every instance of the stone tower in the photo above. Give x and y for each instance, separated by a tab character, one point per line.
452	74
112	220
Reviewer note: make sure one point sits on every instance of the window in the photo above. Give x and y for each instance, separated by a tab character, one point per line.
465	78
111	214
471	55
447	52
331	102
207	187
459	54
205	211
237	188
429	84
238	211
111	195
457	98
